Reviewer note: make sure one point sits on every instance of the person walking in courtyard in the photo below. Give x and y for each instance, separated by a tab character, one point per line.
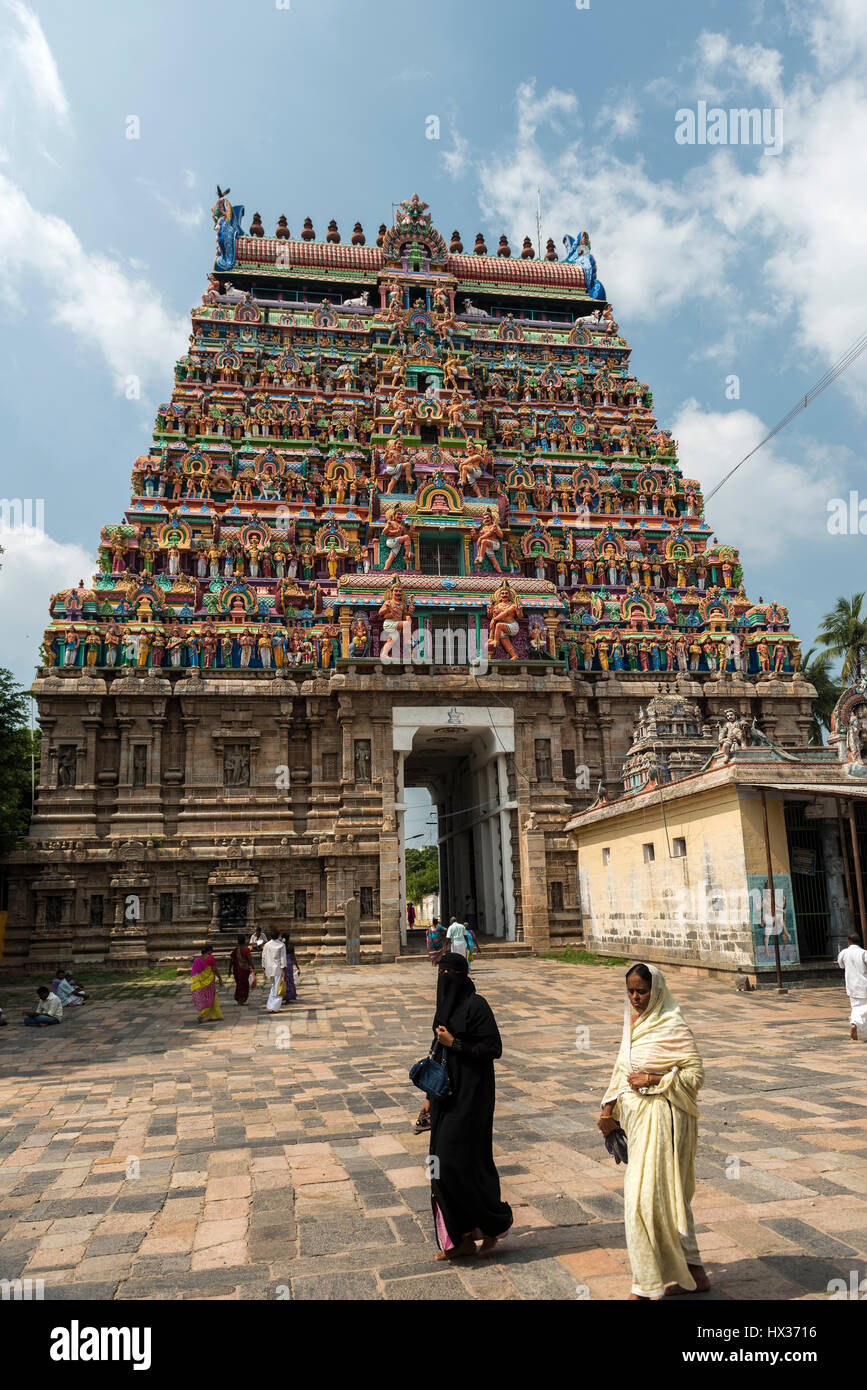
853	959
436	940
457	937
241	968
465	1184
274	964
652	1095
204	977
289	991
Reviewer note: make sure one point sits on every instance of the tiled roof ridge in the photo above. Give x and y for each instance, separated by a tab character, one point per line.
264	251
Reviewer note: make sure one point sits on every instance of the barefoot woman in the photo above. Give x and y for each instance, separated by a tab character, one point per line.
652	1092
465	1186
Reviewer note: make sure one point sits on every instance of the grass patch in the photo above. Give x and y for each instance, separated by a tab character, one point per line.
570	955
139	983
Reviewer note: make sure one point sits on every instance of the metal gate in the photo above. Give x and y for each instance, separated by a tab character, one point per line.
809	888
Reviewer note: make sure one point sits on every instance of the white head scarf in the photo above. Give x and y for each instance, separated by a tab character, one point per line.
658	1041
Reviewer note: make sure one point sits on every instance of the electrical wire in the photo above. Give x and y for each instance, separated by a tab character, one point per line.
842	365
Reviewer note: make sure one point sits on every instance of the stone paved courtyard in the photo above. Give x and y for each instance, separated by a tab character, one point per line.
143	1156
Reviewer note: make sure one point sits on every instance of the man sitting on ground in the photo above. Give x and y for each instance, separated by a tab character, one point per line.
49	1010
68	992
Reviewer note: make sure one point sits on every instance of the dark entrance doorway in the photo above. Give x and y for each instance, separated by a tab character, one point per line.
809	885
464	771
233	911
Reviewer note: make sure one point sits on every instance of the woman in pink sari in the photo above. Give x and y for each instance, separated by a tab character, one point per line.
204	977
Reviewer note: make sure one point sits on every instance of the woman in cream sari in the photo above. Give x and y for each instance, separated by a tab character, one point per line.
652	1093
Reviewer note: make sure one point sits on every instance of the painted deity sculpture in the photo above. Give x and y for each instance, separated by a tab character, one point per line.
394	612
397	538
286	433
504	613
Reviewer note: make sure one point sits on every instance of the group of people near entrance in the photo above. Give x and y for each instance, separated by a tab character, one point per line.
459	937
278	965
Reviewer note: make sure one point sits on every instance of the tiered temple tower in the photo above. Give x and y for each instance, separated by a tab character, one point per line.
407	519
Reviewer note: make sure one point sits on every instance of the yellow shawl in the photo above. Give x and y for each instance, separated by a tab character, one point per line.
659	1041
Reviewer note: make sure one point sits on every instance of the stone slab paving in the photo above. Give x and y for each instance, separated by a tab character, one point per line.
143	1156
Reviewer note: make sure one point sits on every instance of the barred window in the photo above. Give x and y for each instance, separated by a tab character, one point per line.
440	557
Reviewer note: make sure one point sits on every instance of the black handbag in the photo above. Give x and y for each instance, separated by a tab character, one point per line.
615	1143
432	1075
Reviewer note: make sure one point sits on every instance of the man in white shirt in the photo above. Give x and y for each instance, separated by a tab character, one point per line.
48	1010
457	937
853	959
273	964
256	942
68	992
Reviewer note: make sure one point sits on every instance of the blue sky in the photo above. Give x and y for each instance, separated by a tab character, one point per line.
721	261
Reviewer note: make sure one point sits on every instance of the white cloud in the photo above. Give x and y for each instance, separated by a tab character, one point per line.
724	69
836	30
759	239
772	500
29	47
187	218
653	247
619	117
457	160
809	208
535	111
32	567
121	317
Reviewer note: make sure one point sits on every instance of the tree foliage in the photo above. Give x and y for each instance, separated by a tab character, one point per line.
15	750
843	633
422	873
817	670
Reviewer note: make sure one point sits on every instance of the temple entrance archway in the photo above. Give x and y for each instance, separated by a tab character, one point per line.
459	754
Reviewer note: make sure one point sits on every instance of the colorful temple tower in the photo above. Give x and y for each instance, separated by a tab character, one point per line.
407	519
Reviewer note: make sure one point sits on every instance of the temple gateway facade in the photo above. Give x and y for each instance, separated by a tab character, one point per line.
407	520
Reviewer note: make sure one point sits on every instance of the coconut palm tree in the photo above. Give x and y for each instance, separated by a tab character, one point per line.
843	632
816	669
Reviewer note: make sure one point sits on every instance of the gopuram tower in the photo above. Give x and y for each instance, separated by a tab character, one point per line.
407	520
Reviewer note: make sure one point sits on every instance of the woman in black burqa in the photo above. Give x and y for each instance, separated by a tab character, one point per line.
465	1184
